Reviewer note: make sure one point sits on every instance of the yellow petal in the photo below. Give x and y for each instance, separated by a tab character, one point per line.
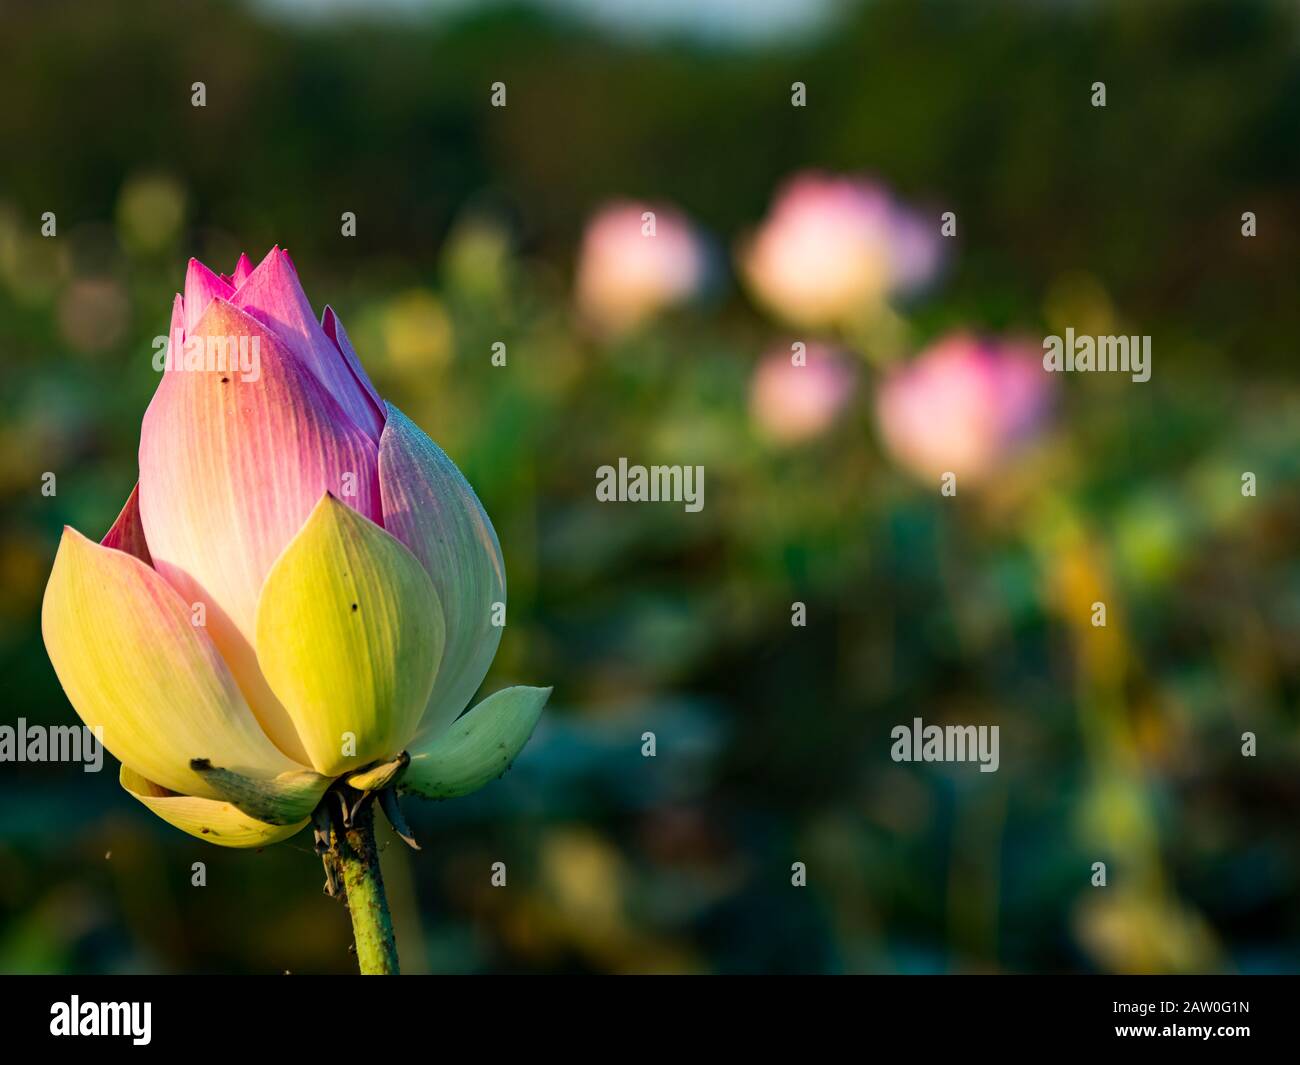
378	777
208	819
477	748
349	636
130	660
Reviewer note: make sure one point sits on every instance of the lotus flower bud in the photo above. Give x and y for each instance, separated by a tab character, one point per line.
963	406
300	587
831	249
791	403
635	261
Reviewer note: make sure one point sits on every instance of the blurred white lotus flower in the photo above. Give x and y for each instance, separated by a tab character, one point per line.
964	406
636	259
791	403
833	248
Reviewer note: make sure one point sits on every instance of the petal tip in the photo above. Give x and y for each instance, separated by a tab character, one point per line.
74	538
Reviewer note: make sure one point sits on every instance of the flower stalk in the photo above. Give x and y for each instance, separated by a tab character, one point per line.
352	861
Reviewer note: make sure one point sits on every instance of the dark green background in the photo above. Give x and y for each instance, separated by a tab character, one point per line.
772	741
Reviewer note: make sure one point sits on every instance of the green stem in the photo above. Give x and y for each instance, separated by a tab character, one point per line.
357	860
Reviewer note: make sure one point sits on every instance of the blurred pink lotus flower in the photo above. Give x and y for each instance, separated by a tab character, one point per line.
833	248
964	406
636	260
791	403
300	589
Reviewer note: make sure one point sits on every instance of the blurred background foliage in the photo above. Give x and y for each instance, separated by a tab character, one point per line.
1120	745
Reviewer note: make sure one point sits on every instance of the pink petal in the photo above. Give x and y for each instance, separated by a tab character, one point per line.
175	334
127	533
274	297
335	331
242	269
229	471
201	287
